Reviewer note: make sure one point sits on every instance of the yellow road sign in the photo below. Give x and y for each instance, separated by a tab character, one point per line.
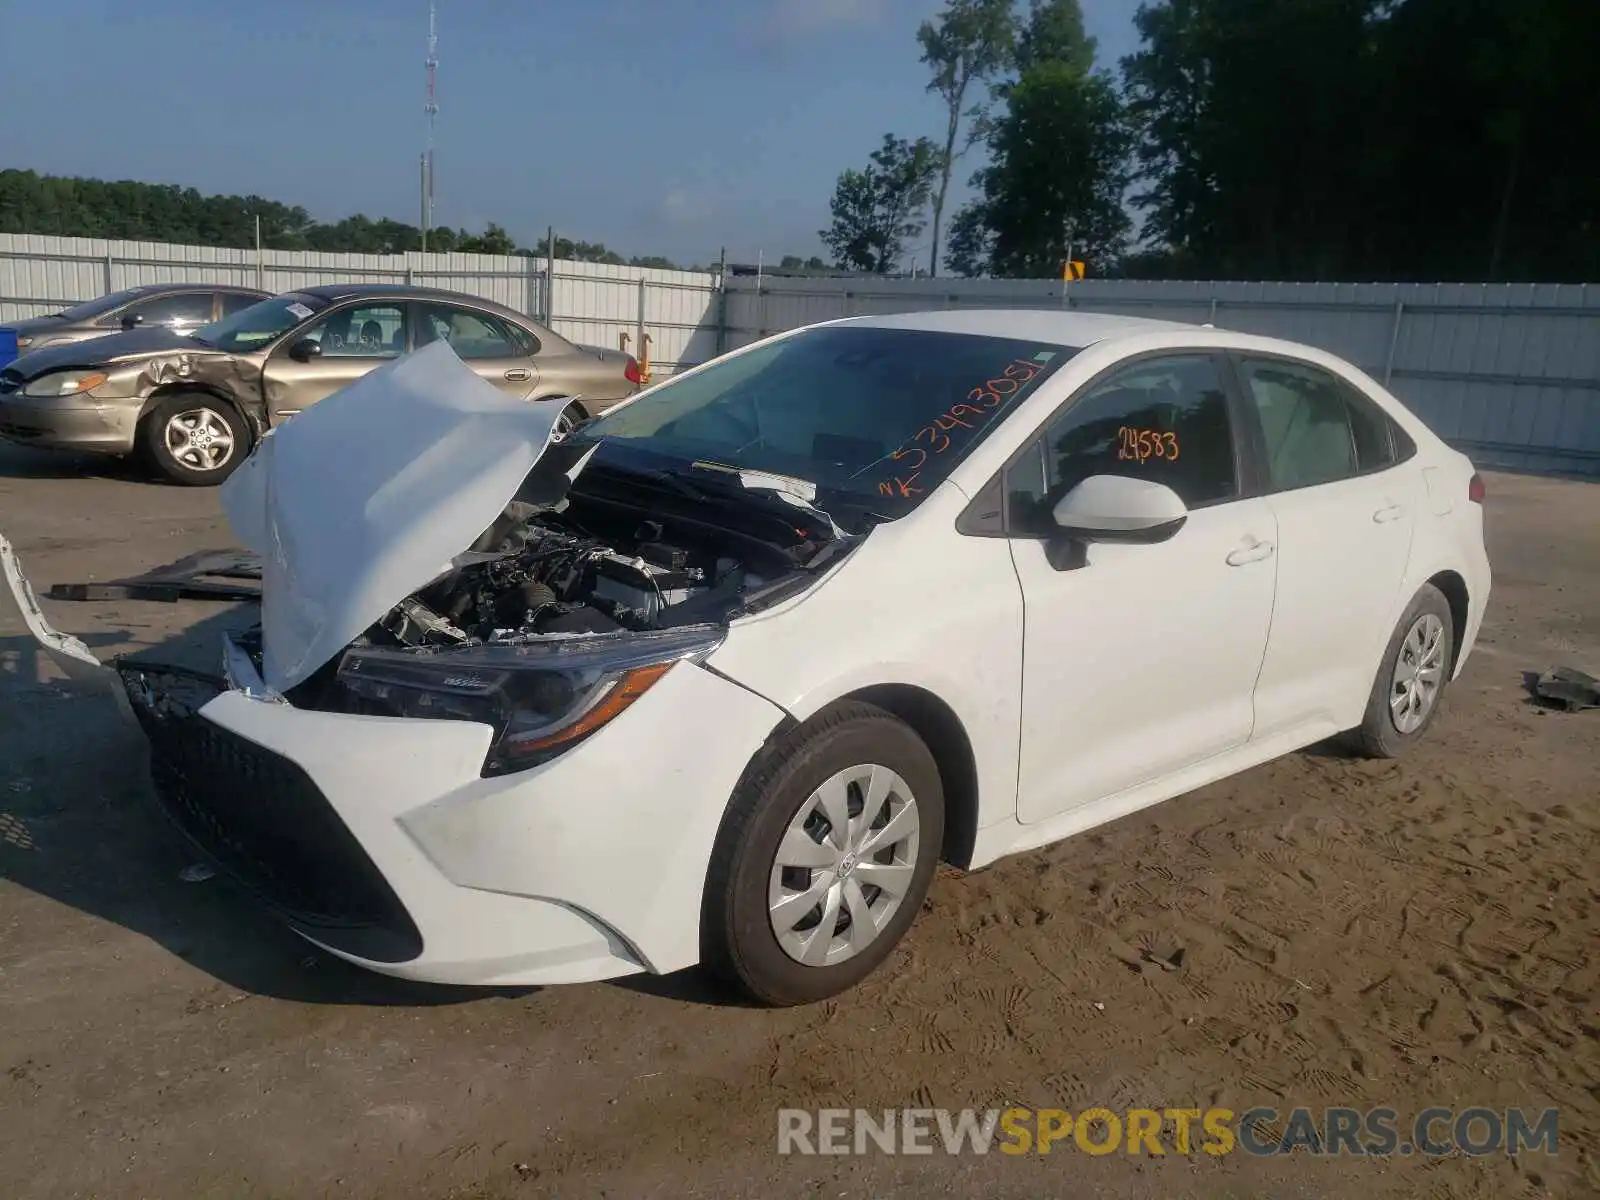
1073	270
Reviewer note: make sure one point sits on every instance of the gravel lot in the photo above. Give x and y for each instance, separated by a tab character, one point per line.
1415	933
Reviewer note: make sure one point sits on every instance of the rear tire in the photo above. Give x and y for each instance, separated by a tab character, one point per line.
194	439
800	906
567	421
1411	679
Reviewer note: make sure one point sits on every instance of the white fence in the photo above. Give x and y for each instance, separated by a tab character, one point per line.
1511	373
587	302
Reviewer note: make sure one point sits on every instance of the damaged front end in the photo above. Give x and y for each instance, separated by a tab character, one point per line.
498	598
546	631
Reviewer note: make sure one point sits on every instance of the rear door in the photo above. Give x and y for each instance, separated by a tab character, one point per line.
1345	508
501	353
354	339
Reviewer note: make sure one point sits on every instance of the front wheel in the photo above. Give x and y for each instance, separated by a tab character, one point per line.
824	857
195	439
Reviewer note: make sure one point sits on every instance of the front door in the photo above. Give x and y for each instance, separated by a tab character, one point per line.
497	350
1346	510
353	340
1143	661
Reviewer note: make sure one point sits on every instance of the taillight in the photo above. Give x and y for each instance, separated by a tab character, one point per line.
1475	489
631	371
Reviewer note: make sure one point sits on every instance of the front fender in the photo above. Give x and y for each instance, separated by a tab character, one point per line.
918	606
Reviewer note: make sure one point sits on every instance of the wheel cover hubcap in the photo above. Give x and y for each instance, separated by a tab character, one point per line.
844	866
1418	674
199	439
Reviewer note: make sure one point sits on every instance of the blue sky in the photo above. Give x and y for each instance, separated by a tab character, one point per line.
656	126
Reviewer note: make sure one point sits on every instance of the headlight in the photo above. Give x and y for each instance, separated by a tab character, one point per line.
23	341
541	698
63	383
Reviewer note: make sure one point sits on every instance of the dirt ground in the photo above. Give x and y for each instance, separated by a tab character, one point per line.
1414	933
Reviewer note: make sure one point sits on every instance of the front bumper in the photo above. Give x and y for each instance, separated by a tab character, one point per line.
377	839
99	424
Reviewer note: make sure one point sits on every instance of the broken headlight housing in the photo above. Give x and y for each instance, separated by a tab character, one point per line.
541	698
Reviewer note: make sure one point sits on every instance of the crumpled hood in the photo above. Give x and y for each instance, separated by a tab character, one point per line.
369	495
108	349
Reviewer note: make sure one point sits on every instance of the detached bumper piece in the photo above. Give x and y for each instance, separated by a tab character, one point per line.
1568	688
264	821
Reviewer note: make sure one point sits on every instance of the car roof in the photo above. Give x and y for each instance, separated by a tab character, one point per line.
343	291
1059	327
156	289
335	292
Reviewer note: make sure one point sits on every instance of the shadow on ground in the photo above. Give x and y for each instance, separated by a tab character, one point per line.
27	462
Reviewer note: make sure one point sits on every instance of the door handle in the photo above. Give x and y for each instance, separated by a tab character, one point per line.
1254	552
518	375
1392	513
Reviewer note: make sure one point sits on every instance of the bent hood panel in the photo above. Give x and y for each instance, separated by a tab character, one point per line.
369	494
104	349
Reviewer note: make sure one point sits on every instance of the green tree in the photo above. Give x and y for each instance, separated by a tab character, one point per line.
1258	131
1058	175
1054	32
1369	139
971	242
1059	152
69	207
493	240
968	43
876	210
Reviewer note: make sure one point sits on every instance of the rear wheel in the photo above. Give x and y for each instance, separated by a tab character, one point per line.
1412	678
194	439
824	857
566	422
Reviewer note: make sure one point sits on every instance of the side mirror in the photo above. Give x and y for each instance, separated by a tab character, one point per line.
305	350
1116	508
132	320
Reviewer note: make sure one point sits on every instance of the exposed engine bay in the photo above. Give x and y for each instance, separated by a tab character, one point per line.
603	565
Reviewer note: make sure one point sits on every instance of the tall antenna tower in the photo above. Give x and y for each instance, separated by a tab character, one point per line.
430	108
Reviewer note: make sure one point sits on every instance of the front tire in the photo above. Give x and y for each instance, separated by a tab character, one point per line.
824	857
194	439
1411	679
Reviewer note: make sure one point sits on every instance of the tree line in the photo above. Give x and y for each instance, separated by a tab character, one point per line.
150	212
1451	140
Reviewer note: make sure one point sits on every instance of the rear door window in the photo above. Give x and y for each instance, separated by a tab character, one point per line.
471	334
1315	428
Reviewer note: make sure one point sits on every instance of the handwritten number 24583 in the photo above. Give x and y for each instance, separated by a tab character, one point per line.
1139	445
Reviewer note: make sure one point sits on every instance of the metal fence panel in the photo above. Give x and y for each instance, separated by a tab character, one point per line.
1509	372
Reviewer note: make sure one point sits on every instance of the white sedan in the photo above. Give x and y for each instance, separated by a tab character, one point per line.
722	677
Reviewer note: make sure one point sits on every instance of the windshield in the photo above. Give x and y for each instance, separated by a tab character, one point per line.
101	305
253	327
874	418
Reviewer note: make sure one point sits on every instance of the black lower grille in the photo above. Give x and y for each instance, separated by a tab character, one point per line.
265	821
